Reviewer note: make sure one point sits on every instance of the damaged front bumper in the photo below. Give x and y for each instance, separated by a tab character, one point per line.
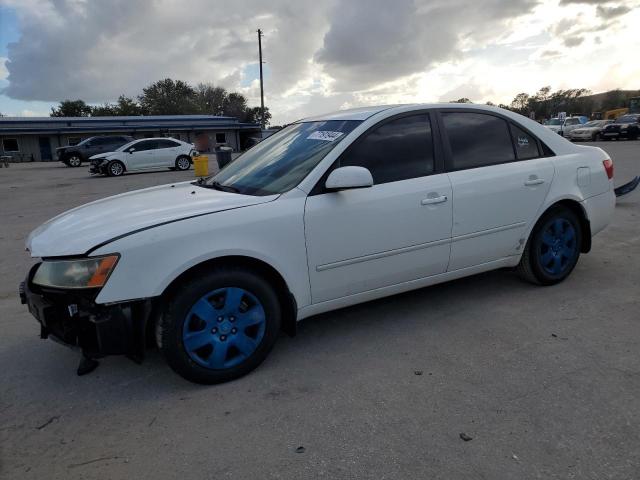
72	317
99	167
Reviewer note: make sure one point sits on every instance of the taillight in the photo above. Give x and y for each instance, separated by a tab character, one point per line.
608	167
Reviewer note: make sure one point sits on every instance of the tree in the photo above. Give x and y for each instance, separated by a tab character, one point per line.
520	103
210	100
127	106
168	97
106	110
71	108
235	105
253	115
461	100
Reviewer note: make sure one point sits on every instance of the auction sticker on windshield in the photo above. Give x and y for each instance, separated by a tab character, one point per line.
325	135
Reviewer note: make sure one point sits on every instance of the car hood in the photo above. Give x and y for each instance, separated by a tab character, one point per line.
101	155
79	230
553	127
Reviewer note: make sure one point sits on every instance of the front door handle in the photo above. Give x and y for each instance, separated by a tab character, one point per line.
534	181
434	200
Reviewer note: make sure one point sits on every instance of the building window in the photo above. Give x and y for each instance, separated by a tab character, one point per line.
10	145
221	138
71	141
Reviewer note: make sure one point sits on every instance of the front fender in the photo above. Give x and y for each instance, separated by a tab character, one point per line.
151	259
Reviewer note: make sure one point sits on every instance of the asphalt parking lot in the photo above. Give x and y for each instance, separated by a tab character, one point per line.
545	381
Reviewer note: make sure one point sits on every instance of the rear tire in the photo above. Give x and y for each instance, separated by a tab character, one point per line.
115	168
219	326
183	163
553	248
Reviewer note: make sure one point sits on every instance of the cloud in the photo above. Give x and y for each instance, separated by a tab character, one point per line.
378	40
320	55
586	2
98	50
612	12
573	41
4	73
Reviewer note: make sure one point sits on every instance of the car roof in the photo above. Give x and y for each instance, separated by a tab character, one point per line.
363	113
157	138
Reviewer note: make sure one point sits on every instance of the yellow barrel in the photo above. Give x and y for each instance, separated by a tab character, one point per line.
201	165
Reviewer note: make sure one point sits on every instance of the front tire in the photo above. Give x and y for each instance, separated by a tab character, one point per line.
553	248
219	326
74	160
115	168
183	163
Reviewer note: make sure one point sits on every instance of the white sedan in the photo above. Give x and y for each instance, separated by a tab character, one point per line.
329	212
144	154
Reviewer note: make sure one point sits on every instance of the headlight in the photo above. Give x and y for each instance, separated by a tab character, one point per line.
624	127
79	273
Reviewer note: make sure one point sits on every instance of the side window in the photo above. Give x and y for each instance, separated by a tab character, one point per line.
526	145
397	150
99	141
145	145
167	144
477	139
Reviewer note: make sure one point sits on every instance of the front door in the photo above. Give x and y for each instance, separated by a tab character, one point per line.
142	156
45	149
499	182
396	231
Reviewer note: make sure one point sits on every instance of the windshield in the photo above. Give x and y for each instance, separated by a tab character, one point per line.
626	119
125	146
554	121
280	162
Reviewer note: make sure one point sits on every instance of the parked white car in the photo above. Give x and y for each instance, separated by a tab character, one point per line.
330	211
144	154
565	126
589	131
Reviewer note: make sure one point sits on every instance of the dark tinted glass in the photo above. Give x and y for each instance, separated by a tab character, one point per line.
167	144
397	150
102	141
144	145
477	139
526	145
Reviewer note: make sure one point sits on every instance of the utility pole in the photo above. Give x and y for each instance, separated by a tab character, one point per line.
261	81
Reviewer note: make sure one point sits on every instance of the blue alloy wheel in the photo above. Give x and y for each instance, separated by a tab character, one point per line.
224	328
558	246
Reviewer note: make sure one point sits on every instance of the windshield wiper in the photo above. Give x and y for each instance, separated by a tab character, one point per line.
223	188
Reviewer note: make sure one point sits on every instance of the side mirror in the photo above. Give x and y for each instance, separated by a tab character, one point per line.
345	178
132	149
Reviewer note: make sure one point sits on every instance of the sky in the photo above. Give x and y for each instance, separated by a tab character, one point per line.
320	55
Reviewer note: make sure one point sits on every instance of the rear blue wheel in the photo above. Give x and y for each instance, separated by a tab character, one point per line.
558	246
224	328
553	248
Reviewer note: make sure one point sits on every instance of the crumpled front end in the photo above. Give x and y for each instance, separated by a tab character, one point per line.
72	317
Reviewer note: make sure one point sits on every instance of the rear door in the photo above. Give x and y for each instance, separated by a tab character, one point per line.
166	152
499	180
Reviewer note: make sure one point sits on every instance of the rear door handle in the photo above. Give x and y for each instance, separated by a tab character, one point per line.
534	181
434	200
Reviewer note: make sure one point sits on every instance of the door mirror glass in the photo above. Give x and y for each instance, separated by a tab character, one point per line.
344	178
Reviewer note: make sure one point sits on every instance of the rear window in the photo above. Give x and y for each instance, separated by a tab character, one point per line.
477	139
525	144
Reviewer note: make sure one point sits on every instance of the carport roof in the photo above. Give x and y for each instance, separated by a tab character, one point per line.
56	125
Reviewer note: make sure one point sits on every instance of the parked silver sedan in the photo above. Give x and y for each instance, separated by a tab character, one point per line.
589	131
